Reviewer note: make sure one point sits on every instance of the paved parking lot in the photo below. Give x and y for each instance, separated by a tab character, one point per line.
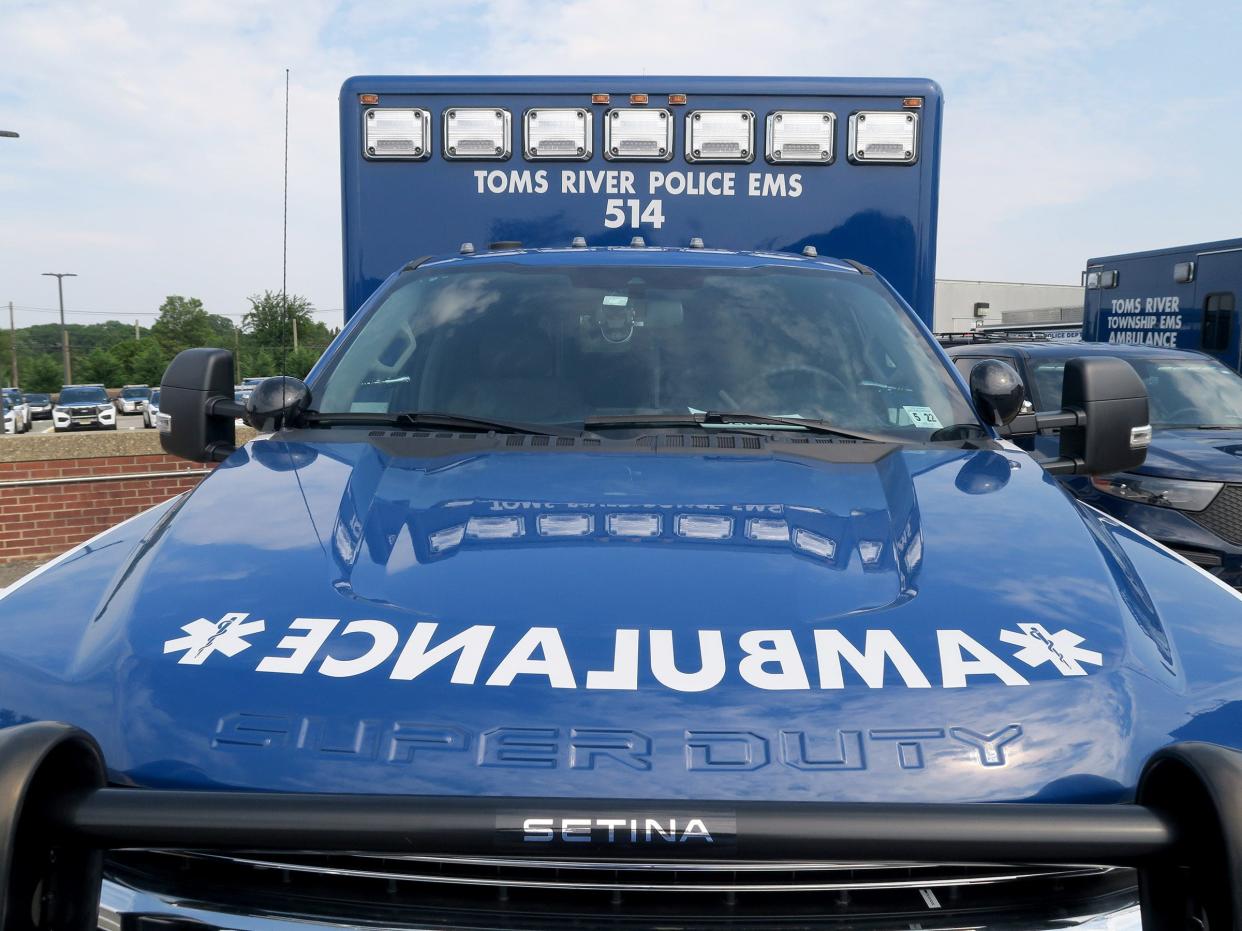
123	422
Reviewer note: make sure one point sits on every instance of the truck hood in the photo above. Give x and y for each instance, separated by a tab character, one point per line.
1205	455
836	621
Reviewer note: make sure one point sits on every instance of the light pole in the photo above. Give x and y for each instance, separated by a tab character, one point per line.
64	334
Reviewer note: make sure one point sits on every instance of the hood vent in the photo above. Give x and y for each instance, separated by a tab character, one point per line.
671	441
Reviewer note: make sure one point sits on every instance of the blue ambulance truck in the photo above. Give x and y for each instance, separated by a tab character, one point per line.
633	565
1182	297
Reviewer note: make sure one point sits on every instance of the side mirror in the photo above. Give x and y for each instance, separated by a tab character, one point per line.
275	401
197	407
1104	422
996	388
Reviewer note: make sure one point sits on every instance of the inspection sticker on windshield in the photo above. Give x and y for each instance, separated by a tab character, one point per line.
923	417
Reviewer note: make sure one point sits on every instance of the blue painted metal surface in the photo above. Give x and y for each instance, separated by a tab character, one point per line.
1148	306
882	215
922	539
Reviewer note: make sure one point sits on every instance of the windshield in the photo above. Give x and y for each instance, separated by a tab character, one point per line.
155	396
135	393
565	345
83	396
1181	392
38	399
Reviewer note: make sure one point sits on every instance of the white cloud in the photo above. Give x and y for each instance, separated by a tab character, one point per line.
150	158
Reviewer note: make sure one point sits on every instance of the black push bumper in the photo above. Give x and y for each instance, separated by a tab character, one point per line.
1184	834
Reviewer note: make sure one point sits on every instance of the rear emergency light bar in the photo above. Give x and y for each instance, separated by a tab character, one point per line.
57	816
641	133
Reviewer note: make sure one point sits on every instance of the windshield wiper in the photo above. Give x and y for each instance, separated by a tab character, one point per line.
1220	426
434	420
740	419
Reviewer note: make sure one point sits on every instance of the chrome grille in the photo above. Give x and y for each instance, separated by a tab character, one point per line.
658	876
509	892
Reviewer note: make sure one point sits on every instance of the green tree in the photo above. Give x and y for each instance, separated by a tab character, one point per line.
147	363
271	317
183	324
101	366
42	373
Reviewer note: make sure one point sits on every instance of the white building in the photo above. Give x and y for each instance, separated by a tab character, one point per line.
965	305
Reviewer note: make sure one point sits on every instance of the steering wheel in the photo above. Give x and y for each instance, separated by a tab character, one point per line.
764	381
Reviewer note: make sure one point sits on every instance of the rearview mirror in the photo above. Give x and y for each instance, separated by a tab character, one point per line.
276	401
1103	422
996	389
197	407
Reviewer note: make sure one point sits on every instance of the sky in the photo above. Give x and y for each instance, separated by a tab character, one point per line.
150	156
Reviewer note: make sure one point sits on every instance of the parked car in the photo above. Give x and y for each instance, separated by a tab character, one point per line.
10	415
83	406
40	406
1188	494
21	410
132	399
151	409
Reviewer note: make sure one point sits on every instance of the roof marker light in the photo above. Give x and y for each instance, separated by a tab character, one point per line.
638	134
703	527
804	136
814	544
696	242
393	132
477	133
494	528
446	539
565	525
884	136
601	98
638	100
368	100
870	551
579	242
767	530
676	100
638	243
720	136
912	102
557	133
634	525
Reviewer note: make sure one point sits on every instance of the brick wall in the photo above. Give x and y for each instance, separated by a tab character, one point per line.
38	521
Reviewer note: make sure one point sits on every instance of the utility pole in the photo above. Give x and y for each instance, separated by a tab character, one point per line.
13	345
137	336
64	334
295	334
237	371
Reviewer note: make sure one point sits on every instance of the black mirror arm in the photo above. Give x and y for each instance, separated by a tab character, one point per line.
1031	424
223	406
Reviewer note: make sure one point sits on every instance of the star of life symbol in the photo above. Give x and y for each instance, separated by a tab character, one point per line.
1061	649
204	637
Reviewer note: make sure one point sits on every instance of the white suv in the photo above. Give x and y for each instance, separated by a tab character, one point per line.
132	399
83	406
16	406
